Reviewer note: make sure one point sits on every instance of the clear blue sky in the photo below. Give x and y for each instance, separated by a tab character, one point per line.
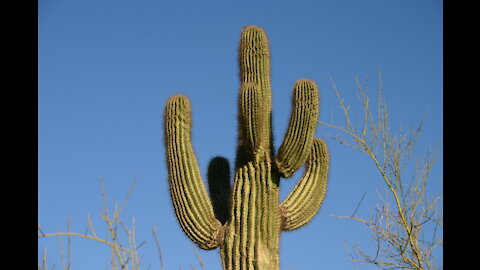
106	69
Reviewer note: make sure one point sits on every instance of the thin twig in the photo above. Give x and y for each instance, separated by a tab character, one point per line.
358	205
157	243
198	258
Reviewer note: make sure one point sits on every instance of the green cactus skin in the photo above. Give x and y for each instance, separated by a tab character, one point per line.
246	220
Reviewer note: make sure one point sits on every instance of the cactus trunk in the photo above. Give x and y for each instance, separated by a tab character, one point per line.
246	220
252	238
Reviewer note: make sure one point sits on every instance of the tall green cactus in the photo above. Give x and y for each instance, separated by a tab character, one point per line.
245	220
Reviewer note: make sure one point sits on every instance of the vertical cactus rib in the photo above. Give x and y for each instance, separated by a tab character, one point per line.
189	196
307	196
301	130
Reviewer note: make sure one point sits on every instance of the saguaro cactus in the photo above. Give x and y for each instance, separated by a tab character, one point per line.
245	220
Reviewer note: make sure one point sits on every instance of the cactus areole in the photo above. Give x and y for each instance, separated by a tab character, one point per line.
246	220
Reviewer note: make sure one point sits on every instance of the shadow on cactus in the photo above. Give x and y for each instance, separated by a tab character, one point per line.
245	220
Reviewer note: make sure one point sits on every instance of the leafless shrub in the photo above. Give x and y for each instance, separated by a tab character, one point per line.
407	223
124	256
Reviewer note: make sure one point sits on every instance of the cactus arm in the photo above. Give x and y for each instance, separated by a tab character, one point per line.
192	205
307	196
295	148
219	187
252	119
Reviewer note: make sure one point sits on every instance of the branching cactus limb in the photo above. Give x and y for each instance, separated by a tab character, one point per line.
293	153
245	220
189	196
307	196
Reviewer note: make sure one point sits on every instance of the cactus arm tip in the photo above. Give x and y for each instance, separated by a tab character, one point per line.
295	148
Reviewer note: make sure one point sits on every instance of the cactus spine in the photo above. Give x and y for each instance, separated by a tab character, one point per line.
245	220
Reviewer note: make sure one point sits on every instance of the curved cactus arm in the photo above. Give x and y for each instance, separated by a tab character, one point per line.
192	205
219	187
295	148
307	196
